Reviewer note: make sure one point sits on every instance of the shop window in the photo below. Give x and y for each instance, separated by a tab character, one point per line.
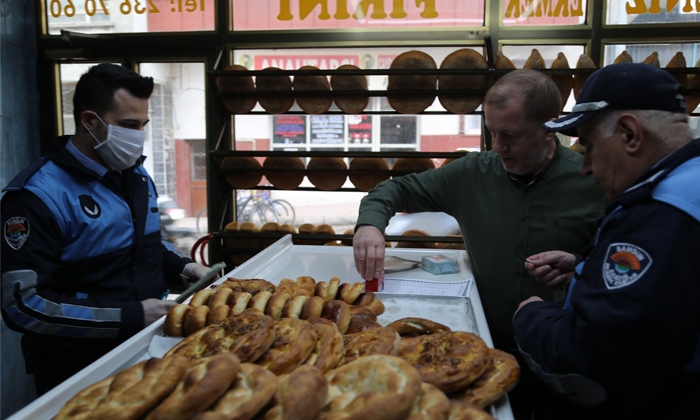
129	16
651	12
198	149
362	14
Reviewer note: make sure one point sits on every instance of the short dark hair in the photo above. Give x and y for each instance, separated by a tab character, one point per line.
538	92
96	87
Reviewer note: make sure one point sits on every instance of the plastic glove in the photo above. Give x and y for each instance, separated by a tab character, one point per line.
194	271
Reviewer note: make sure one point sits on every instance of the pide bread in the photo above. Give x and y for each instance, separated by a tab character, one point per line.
418	102
329	345
378	387
284	172
463	59
202	384
294	341
252	389
380	340
300	395
367	172
241	171
501	377
411	327
238	80
431	404
269	81
312	82
354	104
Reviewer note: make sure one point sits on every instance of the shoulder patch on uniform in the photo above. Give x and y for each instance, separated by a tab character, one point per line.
16	231
624	265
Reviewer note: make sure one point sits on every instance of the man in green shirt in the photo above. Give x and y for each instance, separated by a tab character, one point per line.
525	196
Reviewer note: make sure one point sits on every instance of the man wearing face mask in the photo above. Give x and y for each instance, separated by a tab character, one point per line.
83	264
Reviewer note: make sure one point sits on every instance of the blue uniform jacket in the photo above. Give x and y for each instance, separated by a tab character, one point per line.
79	252
628	338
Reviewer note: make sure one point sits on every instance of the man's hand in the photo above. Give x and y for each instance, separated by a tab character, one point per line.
368	247
195	271
153	309
552	268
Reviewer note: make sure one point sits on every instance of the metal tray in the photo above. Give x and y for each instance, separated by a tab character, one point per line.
285	260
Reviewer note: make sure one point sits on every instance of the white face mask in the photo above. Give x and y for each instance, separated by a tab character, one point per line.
122	148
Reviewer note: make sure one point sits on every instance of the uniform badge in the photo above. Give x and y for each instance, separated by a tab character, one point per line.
89	206
624	265
16	231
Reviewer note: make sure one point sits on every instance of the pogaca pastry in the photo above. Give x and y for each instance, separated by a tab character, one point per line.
500	378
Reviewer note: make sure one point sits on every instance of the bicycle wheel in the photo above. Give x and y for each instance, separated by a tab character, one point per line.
284	211
263	213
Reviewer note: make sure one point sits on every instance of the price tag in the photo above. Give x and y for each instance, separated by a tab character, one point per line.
423	287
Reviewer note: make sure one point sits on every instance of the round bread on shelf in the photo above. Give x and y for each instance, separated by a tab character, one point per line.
535	60
300	395
281	83
415	244
380	340
367	172
329	346
418	102
327	173
349	82
623	57
237	81
284	172
463	59
316	82
502	63
295	339
564	82
430	404
500	378
241	171
408	165
584	62
652	59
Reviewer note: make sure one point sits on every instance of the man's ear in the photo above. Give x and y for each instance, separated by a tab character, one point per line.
630	127
89	120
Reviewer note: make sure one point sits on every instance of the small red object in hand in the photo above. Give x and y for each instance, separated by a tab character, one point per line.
374	285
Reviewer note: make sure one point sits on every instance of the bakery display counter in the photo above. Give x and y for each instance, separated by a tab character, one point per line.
450	299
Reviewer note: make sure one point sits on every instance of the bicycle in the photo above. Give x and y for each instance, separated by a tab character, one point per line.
260	208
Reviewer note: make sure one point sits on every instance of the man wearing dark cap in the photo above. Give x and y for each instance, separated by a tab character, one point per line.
627	341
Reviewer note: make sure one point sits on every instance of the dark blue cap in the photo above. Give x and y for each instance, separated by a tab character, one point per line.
622	86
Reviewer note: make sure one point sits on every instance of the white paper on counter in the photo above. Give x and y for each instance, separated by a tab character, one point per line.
427	287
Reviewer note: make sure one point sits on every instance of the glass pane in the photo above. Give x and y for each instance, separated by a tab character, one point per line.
625	12
177	150
368	14
129	16
543	13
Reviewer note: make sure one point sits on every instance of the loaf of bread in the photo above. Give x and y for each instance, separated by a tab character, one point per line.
584	62
623	57
535	60
281	83
241	171
463	59
284	172
408	165
564	82
349	82
327	173
312	82
367	172
502	63
652	59
415	244
238	81
678	61
417	102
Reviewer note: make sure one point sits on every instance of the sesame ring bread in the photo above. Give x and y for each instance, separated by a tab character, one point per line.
195	320
500	378
252	389
313	308
295	339
464	411
247	335
431	404
129	394
175	319
349	292
380	340
252	286
339	312
239	302
300	395
411	327
329	345
378	387
448	360
202	384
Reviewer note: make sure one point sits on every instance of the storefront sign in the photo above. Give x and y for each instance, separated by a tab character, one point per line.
289	129
295	62
396	8
549	8
326	129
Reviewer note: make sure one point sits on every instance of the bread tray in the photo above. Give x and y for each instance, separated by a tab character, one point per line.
286	260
